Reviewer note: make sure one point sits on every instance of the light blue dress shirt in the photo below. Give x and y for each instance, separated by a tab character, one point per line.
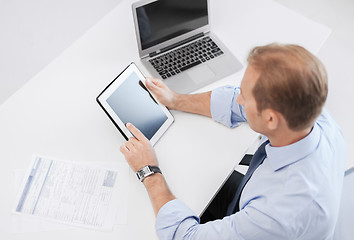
294	194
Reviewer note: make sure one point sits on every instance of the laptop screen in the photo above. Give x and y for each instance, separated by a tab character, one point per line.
165	19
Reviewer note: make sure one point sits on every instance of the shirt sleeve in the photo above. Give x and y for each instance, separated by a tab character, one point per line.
224	108
172	216
176	221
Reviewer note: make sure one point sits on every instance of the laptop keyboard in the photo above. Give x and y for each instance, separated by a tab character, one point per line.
181	59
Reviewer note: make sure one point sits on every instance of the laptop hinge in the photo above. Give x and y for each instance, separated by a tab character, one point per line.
176	44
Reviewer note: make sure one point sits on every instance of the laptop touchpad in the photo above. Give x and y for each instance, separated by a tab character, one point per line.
201	74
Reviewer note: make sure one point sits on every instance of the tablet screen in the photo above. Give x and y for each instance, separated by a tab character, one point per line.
133	103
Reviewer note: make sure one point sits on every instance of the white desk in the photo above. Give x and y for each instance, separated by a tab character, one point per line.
55	114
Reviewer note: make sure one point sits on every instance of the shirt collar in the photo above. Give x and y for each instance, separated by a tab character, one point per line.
279	157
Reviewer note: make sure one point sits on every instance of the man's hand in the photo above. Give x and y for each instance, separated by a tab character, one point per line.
138	150
194	103
164	94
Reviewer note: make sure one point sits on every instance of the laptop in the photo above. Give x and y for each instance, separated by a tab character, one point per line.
175	44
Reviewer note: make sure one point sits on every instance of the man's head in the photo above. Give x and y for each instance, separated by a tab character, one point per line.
287	80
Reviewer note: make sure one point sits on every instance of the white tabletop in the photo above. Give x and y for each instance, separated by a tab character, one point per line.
55	114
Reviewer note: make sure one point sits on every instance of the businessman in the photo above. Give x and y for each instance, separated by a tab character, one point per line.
293	186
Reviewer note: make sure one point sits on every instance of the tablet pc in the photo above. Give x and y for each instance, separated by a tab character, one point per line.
126	99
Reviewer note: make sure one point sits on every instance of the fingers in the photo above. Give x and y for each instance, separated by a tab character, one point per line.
129	145
124	150
133	140
153	83
150	84
138	135
156	81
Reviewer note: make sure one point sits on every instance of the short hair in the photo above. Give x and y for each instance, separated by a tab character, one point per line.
292	81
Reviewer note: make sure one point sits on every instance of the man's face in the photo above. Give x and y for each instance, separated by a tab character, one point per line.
247	100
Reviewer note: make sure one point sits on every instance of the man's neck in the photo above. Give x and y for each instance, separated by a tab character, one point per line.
287	137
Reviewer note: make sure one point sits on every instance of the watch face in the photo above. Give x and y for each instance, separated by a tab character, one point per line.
143	172
140	173
146	170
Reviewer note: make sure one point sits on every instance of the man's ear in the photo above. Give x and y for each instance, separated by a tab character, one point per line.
271	118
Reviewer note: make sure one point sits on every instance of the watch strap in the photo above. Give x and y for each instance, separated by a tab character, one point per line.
155	169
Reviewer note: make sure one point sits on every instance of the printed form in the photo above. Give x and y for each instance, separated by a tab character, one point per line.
73	193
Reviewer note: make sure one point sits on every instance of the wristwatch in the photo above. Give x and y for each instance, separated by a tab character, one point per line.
147	171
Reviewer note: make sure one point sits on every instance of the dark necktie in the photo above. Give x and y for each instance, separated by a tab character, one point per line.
256	160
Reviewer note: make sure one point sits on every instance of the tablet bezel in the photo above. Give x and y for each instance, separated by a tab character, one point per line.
109	90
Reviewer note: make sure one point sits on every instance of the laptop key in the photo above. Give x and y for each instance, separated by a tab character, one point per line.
190	65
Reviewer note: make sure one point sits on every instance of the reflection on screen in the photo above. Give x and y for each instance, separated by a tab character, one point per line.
165	19
133	103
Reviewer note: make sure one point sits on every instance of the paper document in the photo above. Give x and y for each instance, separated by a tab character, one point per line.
72	193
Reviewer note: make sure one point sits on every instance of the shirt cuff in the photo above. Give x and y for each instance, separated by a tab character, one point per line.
224	108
